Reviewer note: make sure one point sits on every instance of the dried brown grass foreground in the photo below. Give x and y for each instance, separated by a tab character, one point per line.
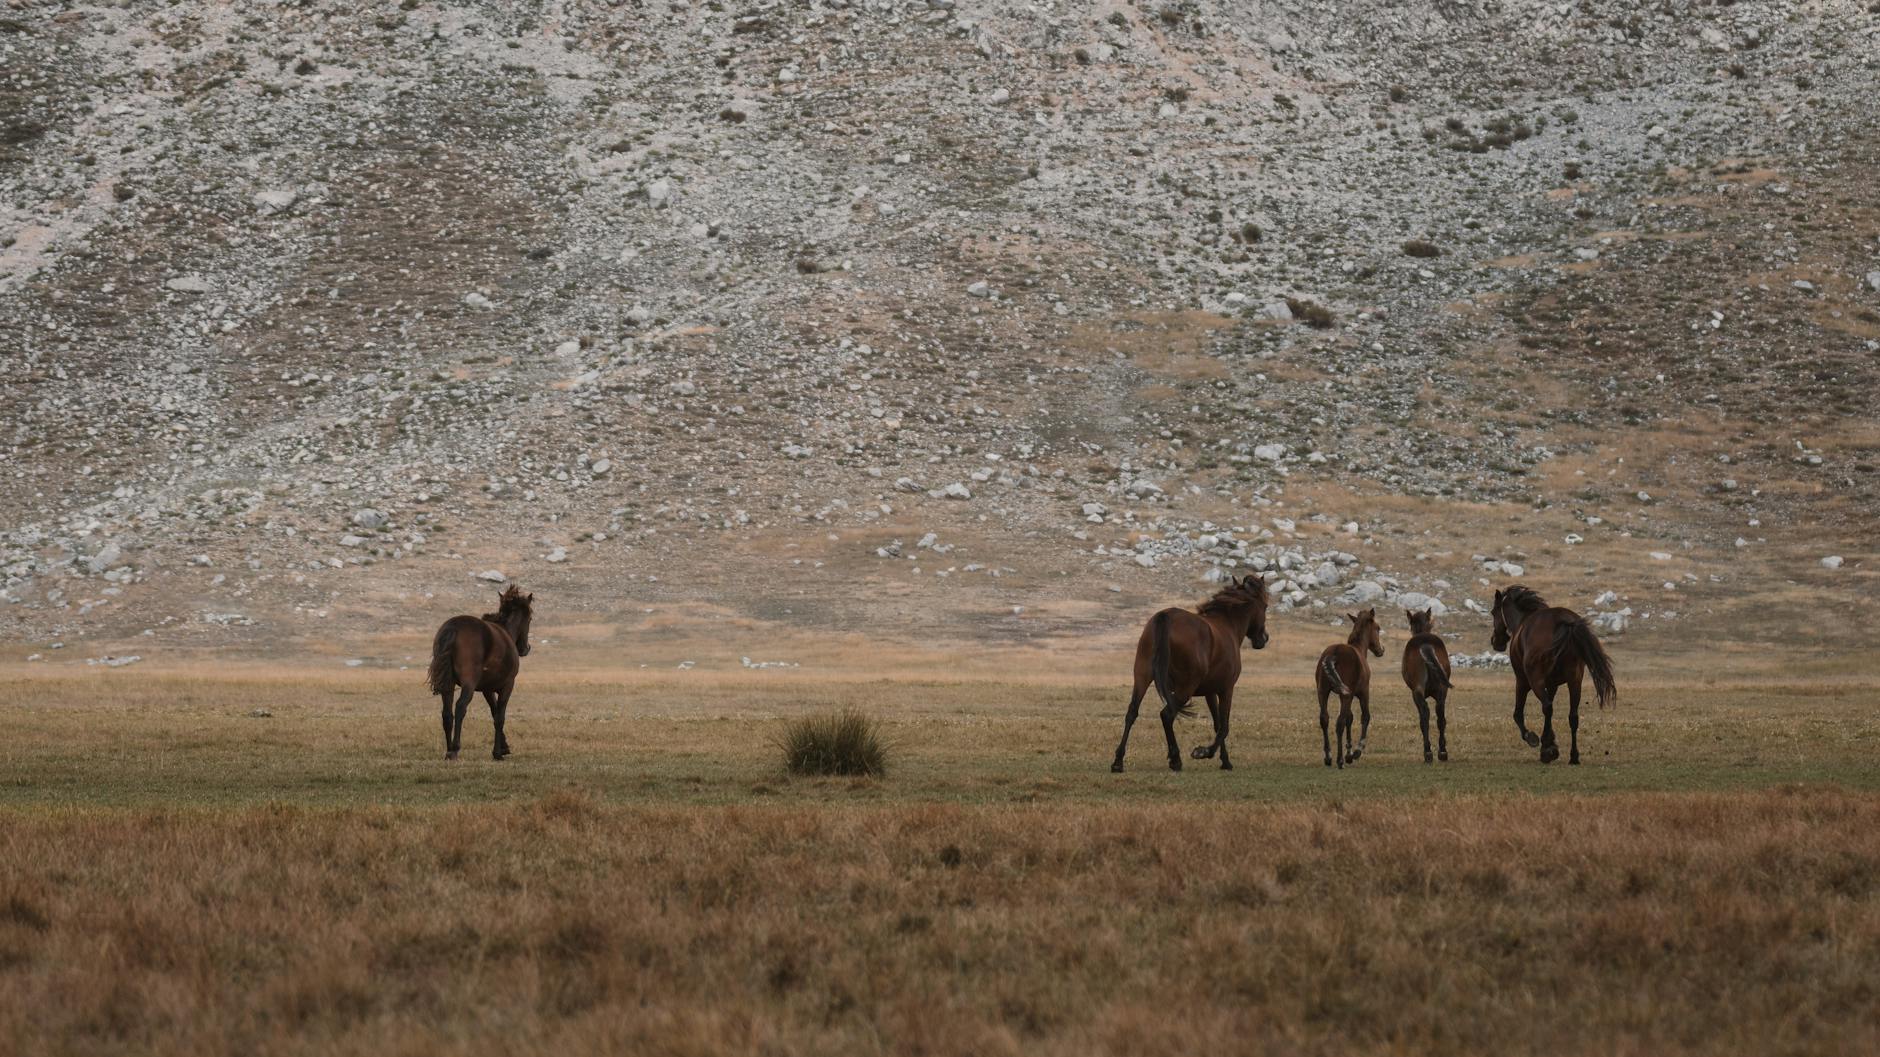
1701	923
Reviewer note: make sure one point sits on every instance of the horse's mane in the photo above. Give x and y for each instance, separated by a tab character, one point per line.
512	600
1524	599
1237	595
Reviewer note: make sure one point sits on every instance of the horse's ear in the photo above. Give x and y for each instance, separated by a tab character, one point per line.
1353	617
1407	615
1428	614
531	596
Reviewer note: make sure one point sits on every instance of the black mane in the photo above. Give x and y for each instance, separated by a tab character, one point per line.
1237	595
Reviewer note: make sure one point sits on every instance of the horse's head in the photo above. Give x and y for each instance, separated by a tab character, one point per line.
1500	639
1364	632
513	612
1420	623
1255	586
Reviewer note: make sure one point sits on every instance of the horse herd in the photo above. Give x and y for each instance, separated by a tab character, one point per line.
1187	655
1184	655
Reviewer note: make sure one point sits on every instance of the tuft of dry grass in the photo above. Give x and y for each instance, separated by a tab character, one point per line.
836	743
1701	924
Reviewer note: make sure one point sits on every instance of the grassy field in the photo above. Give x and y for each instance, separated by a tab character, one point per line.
178	874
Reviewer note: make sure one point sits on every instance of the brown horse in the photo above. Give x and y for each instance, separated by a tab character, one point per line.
1183	654
1549	646
1426	673
481	654
1344	670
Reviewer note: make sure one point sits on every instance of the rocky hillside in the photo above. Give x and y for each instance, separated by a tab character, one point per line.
965	320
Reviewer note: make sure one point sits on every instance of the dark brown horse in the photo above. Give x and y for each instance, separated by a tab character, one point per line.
1183	654
1549	646
1344	670
1426	673
481	654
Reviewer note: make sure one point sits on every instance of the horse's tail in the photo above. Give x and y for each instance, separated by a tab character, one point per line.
443	659
1572	638
1158	665
1433	673
1329	663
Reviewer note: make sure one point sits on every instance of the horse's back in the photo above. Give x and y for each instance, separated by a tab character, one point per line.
1413	663
1190	644
1343	656
1532	646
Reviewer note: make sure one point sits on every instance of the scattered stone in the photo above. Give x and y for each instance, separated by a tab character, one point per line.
1832	561
269	202
493	576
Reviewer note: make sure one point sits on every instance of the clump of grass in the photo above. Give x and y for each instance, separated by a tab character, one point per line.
845	742
1311	312
1421	248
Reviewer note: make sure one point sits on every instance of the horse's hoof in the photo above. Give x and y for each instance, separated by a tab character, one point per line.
1328	761
1174	763
1550	753
1531	738
1225	766
450	757
1117	767
1443	755
1574	760
1353	758
1427	757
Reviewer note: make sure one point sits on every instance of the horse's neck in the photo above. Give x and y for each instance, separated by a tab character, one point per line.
1236	621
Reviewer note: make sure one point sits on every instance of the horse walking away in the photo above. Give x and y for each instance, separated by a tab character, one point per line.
1344	670
1185	654
1426	673
1549	647
481	654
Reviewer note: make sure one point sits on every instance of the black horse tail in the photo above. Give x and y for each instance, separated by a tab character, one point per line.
1158	665
443	660
1330	663
1432	671
1572	638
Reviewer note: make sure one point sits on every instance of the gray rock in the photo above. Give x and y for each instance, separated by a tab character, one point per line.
493	576
1278	310
268	202
1364	592
956	490
1832	561
189	284
370	519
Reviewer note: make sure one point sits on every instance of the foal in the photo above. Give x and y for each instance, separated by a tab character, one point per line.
1344	670
1426	673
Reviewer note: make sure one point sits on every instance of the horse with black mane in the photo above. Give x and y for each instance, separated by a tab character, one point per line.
1185	654
481	654
1549	646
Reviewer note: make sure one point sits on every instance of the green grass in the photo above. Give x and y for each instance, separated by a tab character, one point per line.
369	738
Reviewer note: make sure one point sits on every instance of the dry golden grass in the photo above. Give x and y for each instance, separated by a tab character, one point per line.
177	875
1701	923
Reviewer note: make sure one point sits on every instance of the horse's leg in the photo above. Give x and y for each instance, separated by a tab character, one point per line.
1442	727
1206	752
1423	720
1169	712
456	729
1129	720
446	696
1573	720
494	700
1344	729
1325	726
1227	716
1364	732
502	717
1520	709
1550	750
